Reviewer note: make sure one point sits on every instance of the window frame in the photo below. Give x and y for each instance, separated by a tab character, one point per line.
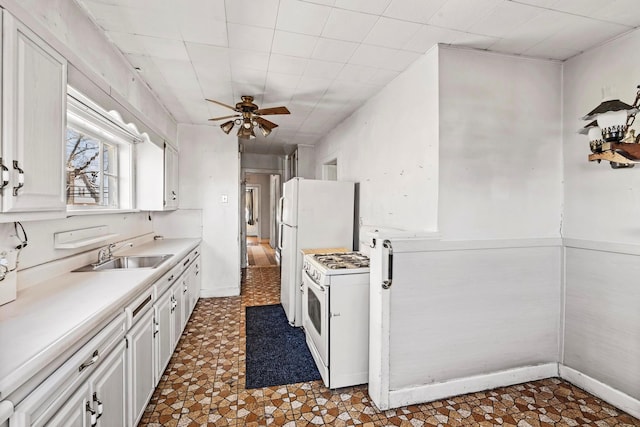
86	117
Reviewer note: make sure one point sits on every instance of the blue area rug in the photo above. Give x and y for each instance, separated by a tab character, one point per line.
277	353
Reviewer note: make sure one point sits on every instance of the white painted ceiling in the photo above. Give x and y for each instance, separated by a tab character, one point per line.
324	58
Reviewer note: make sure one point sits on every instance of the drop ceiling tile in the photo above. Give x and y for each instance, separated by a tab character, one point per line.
550	51
211	57
427	36
293	44
505	18
626	12
413	10
475	41
356	73
584	33
287	64
323	2
261	13
248	59
462	14
375	7
348	26
333	50
382	57
249	76
323	69
164	48
248	37
127	43
383	77
302	17
539	28
391	33
281	82
313	86
202	22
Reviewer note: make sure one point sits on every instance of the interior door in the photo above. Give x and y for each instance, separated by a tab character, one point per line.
252	210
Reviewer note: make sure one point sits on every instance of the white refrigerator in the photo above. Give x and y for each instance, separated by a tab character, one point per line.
313	214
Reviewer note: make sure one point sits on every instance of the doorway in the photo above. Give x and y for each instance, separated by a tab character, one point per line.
330	170
259	216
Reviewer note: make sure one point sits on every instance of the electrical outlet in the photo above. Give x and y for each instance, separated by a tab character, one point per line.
224	198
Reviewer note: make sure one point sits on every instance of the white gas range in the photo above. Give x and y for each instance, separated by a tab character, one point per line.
335	316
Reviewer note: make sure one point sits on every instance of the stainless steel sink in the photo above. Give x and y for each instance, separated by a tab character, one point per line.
127	262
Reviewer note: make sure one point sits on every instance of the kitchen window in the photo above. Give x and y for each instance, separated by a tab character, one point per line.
98	158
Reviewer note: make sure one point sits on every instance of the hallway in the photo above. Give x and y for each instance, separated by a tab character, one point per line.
204	385
259	253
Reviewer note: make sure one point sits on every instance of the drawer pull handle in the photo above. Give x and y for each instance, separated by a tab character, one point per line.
4	181
94	417
99	403
141	306
184	264
20	178
170	278
94	358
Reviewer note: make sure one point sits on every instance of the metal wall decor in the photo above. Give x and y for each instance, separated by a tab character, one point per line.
610	135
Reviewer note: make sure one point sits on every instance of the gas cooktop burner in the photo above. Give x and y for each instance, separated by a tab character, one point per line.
343	260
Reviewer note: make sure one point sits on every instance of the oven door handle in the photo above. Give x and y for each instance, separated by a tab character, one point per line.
318	286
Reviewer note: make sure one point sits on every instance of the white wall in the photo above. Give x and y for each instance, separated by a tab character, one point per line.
396	163
600	203
209	169
268	162
602	208
40	248
500	163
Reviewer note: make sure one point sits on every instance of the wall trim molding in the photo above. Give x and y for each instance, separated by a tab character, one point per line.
227	291
430	244
607	393
431	392
596	245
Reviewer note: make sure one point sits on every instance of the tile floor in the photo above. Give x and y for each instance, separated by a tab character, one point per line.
204	386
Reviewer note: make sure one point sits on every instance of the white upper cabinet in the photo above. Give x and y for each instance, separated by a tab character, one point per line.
34	84
156	177
170	177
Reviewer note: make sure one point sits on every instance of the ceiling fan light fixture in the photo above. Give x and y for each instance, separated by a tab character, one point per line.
265	131
227	126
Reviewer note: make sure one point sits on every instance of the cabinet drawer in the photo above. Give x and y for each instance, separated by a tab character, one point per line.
166	281
191	257
44	401
139	307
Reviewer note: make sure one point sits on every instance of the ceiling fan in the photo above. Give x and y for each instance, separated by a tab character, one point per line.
248	117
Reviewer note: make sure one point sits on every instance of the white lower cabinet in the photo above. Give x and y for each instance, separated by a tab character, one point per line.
100	401
140	358
109	381
165	320
66	397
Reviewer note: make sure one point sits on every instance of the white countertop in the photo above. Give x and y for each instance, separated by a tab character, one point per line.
47	319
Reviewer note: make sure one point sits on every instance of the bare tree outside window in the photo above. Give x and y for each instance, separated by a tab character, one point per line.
91	170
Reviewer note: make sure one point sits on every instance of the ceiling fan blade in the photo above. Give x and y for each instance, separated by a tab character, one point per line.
266	123
225	117
221	103
272	110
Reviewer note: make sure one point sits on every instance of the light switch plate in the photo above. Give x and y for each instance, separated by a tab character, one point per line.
224	198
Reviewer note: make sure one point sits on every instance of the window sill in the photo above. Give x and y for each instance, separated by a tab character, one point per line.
83	212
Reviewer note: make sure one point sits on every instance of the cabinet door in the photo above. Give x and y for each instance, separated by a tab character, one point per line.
178	313
76	412
170	177
194	286
164	332
108	394
141	366
34	86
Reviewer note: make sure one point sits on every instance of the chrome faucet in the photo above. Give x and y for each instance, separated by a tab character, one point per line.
106	254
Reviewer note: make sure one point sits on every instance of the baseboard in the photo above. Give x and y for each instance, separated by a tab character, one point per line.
607	393
230	291
431	392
